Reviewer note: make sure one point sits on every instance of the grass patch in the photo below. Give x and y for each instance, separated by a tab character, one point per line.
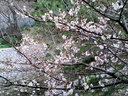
14	40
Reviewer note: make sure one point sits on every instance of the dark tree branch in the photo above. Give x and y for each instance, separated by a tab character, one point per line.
125	22
66	89
123	26
107	85
113	53
40	87
65	4
122	9
7	80
121	39
88	31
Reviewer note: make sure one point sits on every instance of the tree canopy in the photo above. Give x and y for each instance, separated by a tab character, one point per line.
86	47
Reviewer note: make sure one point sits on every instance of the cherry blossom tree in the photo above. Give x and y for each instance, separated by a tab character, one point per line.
94	52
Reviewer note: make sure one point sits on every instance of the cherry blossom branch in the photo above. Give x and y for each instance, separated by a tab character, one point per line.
40	20
116	20
88	31
123	26
46	88
97	68
121	39
40	87
99	11
66	89
121	80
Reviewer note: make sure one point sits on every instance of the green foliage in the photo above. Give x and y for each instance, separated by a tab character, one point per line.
81	68
40	9
75	68
82	49
119	67
5	46
13	40
59	40
88	59
123	34
112	0
45	5
67	33
26	28
48	55
108	92
93	79
57	52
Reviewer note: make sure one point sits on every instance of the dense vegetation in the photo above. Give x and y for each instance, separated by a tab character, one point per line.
86	46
